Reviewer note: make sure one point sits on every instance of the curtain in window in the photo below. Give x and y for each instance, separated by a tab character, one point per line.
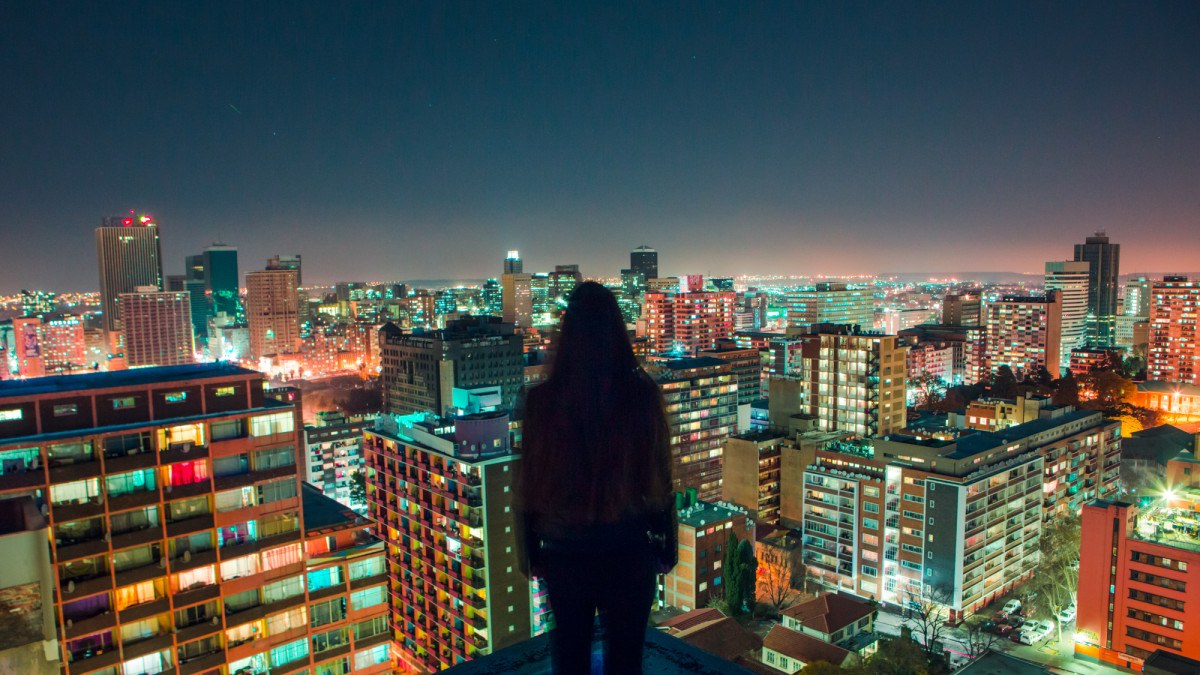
201	576
134	595
284	621
239	567
279	557
186	473
285	588
77	492
370	657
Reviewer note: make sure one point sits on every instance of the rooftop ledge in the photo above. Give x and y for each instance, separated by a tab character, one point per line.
663	654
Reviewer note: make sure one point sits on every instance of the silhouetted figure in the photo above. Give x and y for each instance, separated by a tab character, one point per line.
595	487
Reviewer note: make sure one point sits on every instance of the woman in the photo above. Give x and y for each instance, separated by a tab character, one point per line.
595	489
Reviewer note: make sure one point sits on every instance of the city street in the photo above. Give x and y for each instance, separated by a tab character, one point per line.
1057	656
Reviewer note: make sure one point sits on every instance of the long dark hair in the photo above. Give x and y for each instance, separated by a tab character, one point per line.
596	440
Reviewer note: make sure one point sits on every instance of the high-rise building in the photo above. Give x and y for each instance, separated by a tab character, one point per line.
516	291
273	311
1070	280
158	327
831	303
750	473
644	260
1138	297
129	255
684	323
334	455
1174	348
1137	579
442	495
199	308
563	281
222	281
1024	333
962	309
1105	268
472	364
513	263
854	381
701	403
27	343
493	298
64	345
178	540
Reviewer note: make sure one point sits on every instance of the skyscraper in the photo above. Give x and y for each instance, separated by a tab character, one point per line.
1105	261
273	311
1174	351
682	323
698	389
644	260
1070	279
1137	297
516	290
513	263
129	254
287	262
222	280
854	381
961	309
158	327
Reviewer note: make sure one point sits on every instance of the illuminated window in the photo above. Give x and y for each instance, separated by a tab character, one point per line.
225	391
125	402
11	415
66	409
176	397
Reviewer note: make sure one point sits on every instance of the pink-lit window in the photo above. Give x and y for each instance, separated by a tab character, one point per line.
186	473
280	557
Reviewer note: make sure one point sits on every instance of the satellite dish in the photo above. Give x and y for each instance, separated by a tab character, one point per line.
71	586
187	556
70	623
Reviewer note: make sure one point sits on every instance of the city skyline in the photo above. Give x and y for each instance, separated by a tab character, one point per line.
848	140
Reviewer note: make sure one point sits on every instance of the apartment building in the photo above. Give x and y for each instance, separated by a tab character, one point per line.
854	381
701	402
441	491
1025	333
1137	584
704	529
900	518
683	323
178	537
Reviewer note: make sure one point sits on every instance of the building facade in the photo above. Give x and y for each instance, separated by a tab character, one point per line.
831	303
158	327
854	381
178	536
643	260
704	530
701	402
962	309
1104	260
273	311
1174	349
685	323
1070	281
443	497
1025	334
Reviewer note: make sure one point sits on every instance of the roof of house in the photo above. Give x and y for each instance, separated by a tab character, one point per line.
995	663
1166	662
691	619
1160	387
830	612
796	645
723	637
1157	444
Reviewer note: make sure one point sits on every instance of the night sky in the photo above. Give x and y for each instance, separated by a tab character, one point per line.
393	140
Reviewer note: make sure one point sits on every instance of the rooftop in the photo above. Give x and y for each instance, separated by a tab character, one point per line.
321	512
1176	528
722	637
995	663
706	513
695	362
120	378
1159	387
830	612
797	645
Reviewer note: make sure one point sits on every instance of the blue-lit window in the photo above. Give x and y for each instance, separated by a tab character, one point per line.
368	597
325	578
176	397
289	652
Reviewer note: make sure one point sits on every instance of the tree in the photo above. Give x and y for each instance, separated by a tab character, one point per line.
779	568
929	391
1107	391
1004	385
976	638
358	487
1056	579
821	668
928	615
1066	391
903	656
732	576
748	568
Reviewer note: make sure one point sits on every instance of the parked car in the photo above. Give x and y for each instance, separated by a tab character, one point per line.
1067	615
1035	631
1012	607
997	628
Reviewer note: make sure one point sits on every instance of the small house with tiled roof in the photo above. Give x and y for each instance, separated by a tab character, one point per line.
835	618
788	650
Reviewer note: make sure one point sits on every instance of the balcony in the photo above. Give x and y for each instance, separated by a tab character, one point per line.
65	473
182	452
194	523
93	624
147	646
26	478
198	630
78	509
130	500
132	460
196	595
139	574
95	659
203	663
